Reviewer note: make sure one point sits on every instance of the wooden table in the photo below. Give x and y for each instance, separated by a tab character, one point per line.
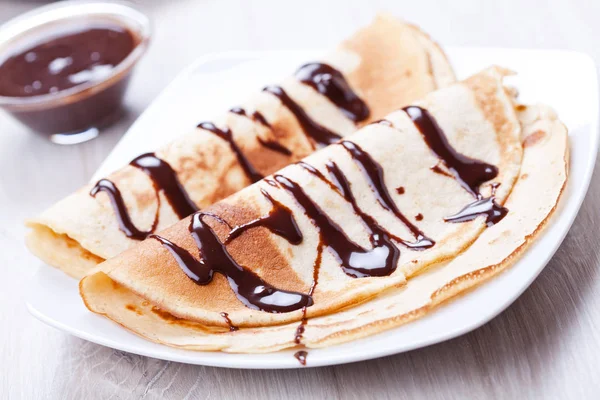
546	345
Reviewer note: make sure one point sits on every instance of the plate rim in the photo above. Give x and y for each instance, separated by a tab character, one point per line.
250	362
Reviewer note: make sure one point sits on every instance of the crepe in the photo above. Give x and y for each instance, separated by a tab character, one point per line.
383	193
386	65
543	171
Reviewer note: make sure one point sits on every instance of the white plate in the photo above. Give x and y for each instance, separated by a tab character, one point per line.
565	80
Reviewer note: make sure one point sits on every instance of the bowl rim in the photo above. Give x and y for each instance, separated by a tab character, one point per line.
129	15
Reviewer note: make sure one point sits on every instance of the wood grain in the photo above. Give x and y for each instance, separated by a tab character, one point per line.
545	345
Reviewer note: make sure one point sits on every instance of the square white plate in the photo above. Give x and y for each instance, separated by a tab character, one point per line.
564	80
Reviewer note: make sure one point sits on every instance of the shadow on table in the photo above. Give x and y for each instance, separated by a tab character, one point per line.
514	350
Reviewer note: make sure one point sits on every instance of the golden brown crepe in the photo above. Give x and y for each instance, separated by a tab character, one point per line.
543	171
477	119
387	64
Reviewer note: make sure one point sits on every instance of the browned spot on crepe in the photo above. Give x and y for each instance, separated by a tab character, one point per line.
133	308
484	86
534	138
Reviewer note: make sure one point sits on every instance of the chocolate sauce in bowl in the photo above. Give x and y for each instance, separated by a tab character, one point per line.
331	83
165	178
123	218
249	288
226	135
320	134
65	61
68	79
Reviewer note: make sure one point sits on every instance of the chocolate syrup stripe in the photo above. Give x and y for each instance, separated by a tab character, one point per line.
226	135
258	117
280	220
163	178
331	83
116	199
373	172
469	172
249	288
315	131
493	212
355	261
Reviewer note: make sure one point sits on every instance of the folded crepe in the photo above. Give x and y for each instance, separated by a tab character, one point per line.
348	223
383	66
544	172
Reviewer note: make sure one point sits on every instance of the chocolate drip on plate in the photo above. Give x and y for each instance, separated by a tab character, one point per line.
116	199
317	132
373	171
226	135
249	288
471	173
165	179
301	356
280	220
494	213
331	83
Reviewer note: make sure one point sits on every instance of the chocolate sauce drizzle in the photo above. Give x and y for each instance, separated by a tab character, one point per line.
125	224
249	288
355	261
317	132
469	172
163	178
373	171
280	220
485	206
226	135
258	117
275	146
331	83
301	356
232	328
383	122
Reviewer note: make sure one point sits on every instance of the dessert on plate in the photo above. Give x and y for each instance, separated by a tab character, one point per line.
360	194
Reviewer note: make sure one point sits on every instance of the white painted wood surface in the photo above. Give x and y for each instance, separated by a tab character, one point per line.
546	345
